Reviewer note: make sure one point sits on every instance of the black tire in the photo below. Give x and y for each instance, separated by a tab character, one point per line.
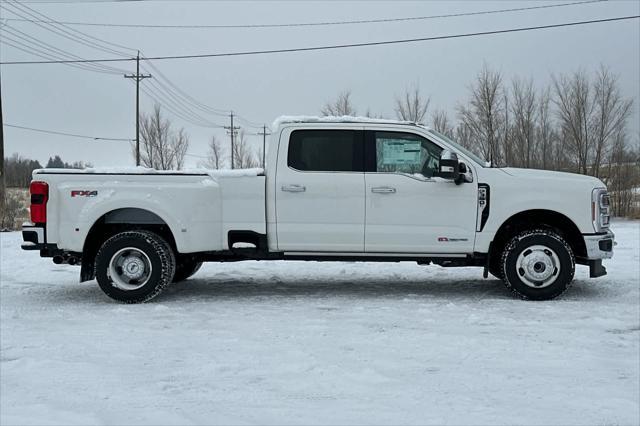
154	254
552	259
185	268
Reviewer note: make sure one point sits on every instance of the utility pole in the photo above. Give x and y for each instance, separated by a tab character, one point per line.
3	183
264	143
233	131
138	78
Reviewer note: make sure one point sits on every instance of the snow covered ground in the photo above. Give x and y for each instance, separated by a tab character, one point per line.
320	343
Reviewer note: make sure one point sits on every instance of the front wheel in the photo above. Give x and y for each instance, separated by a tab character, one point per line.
134	266
538	265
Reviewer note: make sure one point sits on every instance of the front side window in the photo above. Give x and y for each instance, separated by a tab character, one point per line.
398	152
326	150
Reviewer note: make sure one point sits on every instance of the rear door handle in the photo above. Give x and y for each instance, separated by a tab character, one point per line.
383	190
294	188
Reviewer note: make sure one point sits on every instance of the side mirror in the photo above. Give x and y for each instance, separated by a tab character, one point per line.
449	165
465	174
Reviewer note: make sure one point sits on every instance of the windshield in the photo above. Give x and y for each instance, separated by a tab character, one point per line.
459	147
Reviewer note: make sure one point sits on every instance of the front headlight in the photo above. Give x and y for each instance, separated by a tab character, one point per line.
600	209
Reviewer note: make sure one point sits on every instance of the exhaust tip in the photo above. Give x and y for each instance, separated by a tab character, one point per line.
58	260
72	260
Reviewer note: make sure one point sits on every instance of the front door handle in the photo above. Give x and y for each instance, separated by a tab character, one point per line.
383	190
294	188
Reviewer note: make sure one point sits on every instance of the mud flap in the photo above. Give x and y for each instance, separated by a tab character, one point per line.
87	271
596	269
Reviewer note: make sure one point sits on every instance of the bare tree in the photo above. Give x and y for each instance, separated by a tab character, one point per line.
464	137
243	157
523	109
484	116
13	209
590	115
160	146
611	112
370	114
508	156
622	176
545	133
215	155
574	109
412	106
18	171
441	123
341	106
260	156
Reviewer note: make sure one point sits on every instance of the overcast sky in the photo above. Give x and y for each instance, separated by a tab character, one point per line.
260	88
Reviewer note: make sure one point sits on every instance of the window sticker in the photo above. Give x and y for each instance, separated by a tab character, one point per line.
396	152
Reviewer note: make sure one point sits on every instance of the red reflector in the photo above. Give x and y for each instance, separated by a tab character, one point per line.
39	197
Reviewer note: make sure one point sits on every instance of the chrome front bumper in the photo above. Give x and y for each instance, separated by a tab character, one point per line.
600	246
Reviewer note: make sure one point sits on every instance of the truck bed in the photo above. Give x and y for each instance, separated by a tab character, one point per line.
199	206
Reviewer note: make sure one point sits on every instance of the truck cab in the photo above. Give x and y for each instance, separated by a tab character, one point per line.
333	189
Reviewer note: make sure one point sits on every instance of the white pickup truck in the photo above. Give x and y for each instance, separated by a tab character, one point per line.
334	189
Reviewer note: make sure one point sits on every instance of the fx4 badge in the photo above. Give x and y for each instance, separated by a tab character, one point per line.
81	193
451	240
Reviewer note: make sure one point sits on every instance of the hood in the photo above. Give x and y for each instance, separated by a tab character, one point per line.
552	177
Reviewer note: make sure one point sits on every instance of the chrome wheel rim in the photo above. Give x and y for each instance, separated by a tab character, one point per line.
538	266
129	269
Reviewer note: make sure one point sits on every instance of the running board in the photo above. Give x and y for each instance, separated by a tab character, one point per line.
374	254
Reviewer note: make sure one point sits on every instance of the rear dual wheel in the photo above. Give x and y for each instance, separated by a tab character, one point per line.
134	266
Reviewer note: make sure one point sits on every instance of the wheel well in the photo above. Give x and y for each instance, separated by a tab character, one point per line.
117	221
534	219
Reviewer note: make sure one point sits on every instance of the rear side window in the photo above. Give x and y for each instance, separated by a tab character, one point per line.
326	150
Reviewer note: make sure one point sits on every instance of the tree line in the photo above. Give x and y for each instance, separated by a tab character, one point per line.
18	169
164	147
18	172
578	123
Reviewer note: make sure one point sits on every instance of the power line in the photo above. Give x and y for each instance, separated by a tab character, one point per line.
54	132
177	106
318	24
184	102
196	156
340	46
190	1
24	48
49	24
179	1
177	112
84	39
167	1
250	123
49	51
175	89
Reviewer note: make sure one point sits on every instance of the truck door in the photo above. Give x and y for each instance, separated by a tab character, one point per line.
320	190
407	209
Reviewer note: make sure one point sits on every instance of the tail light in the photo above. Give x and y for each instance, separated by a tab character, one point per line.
39	197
